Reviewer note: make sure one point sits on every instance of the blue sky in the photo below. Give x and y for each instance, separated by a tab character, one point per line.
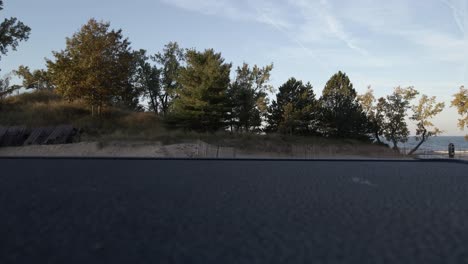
379	43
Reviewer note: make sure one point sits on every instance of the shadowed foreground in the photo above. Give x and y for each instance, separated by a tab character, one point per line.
183	211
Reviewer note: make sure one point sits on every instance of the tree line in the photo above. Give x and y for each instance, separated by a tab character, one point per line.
193	90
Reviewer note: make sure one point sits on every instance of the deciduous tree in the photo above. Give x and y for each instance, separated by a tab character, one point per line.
373	110
147	80
248	97
37	79
12	31
6	88
97	65
394	109
426	109
170	61
460	101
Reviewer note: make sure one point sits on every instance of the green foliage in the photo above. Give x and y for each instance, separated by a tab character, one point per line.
6	89
426	109
341	114
147	79
460	101
248	97
37	79
170	61
394	108
97	66
373	110
12	32
202	98
294	110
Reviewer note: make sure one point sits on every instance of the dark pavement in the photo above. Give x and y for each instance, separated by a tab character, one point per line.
188	211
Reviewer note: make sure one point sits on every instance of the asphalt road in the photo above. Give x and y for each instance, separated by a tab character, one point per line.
182	211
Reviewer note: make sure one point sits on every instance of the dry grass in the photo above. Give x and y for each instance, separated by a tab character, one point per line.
45	108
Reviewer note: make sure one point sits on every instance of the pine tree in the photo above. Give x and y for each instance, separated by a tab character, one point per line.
294	110
202	98
341	114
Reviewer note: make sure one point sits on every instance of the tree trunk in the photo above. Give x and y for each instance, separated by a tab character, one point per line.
423	139
377	137
154	102
395	146
164	104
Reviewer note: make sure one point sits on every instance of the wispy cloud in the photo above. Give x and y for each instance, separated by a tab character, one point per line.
459	11
337	26
241	10
320	25
211	7
282	17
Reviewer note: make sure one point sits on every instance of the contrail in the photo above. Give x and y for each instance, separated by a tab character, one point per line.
280	29
458	16
459	10
293	39
336	27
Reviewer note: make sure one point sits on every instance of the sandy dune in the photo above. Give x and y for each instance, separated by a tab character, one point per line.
197	149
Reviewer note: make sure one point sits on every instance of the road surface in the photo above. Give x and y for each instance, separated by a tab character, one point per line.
227	211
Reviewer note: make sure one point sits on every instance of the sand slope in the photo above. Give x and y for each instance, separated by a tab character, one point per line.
197	149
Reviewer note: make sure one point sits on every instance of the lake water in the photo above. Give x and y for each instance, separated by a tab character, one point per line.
436	145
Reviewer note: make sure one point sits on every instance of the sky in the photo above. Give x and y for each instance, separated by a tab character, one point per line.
382	44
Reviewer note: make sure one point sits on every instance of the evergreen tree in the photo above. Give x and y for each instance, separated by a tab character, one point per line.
341	114
294	110
202	98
